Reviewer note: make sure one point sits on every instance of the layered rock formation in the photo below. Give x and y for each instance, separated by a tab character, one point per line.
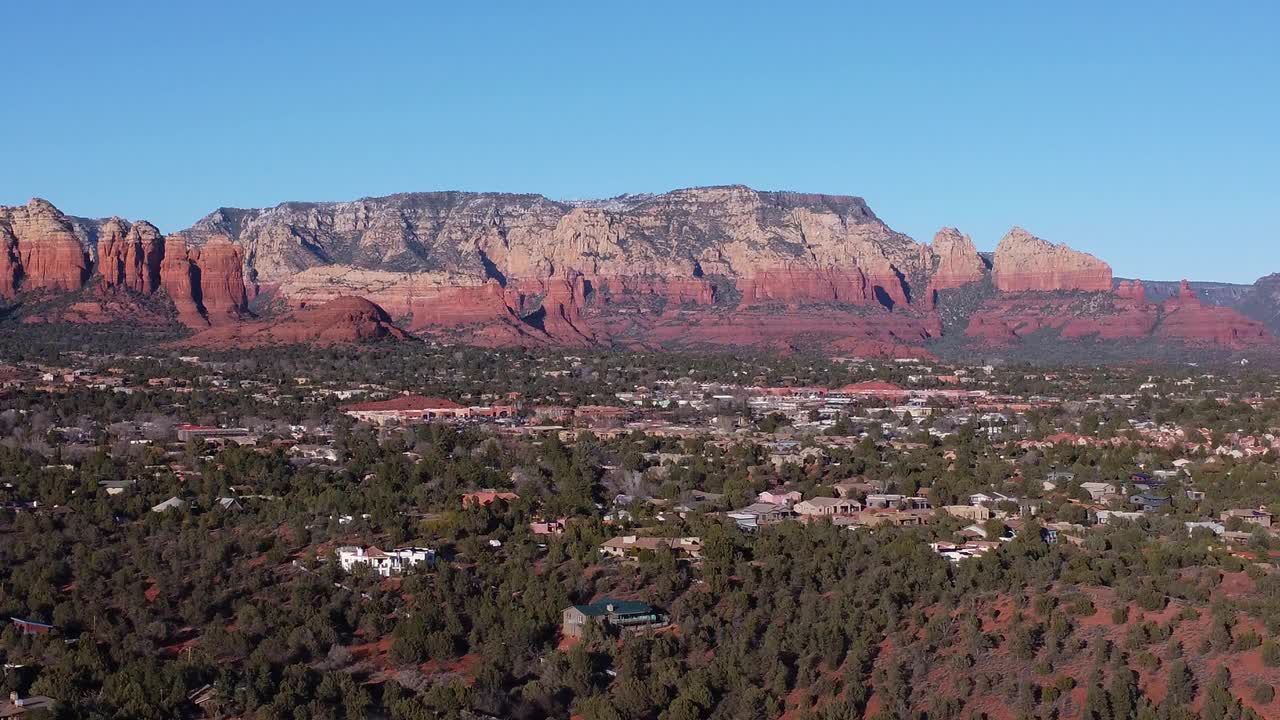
129	256
415	253
342	320
43	250
39	250
1126	314
956	261
1132	290
221	283
1024	262
719	266
1187	318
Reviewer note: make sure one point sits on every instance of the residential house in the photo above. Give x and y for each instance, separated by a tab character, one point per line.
1060	478
780	497
487	496
1106	517
116	487
31	627
797	458
16	706
623	615
631	545
849	488
871	518
1259	517
973	513
757	514
549	527
955	552
1098	490
173	503
884	501
1214	527
1149	503
191	432
384	563
984	498
826	506
1060	531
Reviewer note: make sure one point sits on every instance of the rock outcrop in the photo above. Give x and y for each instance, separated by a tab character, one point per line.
1132	290
1025	263
340	321
1187	318
222	294
1125	314
43	250
1262	302
412	252
702	267
955	260
180	279
39	250
130	255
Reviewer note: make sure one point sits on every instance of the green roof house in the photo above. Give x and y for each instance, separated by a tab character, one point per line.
625	615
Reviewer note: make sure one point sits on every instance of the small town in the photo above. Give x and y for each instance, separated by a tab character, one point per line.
638	489
640	361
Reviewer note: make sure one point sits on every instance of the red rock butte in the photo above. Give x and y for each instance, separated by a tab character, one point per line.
1024	262
41	249
715	266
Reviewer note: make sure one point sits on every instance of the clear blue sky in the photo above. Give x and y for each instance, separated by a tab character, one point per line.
1144	132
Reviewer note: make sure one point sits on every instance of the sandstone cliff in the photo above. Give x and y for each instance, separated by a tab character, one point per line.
1024	262
39	250
416	253
718	266
1187	318
129	256
955	260
43	250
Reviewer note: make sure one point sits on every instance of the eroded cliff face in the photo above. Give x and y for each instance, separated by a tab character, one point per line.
222	292
408	251
39	250
703	266
955	260
1187	318
43	250
129	256
1025	263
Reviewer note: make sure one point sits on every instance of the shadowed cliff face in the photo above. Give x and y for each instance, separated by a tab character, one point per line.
1262	302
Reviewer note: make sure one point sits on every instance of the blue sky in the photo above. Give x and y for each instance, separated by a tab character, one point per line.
1144	132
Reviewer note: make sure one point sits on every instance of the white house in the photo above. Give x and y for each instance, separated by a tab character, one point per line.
779	497
1098	490
385	563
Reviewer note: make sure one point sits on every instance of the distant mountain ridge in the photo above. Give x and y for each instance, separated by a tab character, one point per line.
714	266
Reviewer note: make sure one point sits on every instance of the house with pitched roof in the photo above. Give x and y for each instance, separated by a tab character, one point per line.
622	615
